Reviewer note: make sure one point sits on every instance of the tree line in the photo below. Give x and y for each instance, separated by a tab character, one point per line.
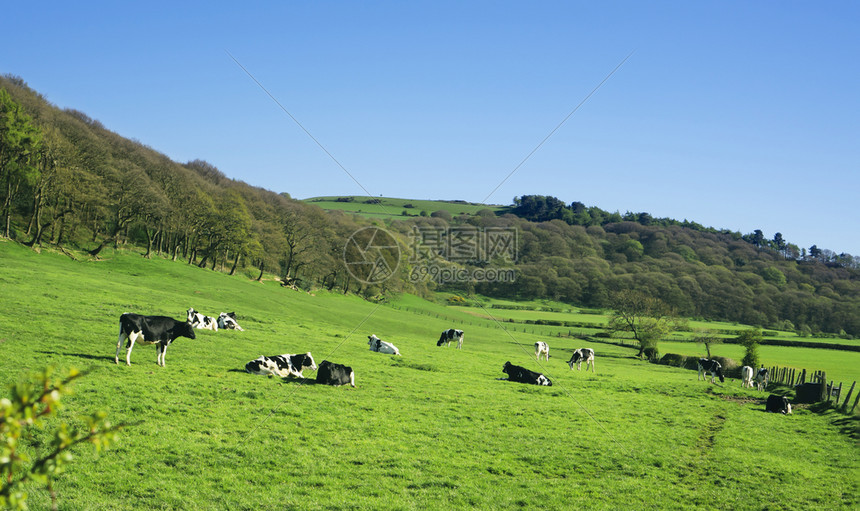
69	182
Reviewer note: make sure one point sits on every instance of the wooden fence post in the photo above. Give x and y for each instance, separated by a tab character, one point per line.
838	393
829	390
803	377
823	385
855	402
850	391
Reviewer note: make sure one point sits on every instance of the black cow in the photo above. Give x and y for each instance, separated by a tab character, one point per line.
710	366
523	375
451	335
778	404
282	365
158	330
330	373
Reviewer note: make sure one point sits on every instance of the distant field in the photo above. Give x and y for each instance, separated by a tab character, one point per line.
395	208
437	428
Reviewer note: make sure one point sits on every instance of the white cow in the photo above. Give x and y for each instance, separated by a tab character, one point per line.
378	345
746	376
227	321
541	348
579	355
198	320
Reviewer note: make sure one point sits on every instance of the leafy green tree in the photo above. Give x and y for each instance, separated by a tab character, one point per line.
25	411
708	338
19	141
750	340
646	317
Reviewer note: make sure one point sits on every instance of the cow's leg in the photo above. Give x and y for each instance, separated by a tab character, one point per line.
131	338
162	353
460	343
592	366
121	338
352	378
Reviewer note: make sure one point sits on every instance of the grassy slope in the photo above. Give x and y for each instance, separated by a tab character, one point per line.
392	207
434	428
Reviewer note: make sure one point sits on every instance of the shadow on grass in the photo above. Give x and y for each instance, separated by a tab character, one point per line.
87	356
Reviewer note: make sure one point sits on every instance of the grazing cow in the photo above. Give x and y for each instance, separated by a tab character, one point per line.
710	366
761	379
377	344
335	374
541	348
523	375
778	404
451	335
746	376
200	321
158	330
282	365
227	321
586	354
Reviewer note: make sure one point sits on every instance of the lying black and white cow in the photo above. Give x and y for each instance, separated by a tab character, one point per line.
377	344
778	404
761	378
330	373
201	321
586	354
541	348
158	330
523	375
710	366
227	321
282	365
451	335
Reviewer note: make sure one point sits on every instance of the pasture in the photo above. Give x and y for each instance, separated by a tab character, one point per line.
435	428
390	207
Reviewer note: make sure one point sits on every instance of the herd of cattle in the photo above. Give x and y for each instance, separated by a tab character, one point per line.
163	330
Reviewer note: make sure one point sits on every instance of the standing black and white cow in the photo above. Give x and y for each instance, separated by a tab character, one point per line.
451	335
778	404
523	375
158	330
710	366
282	365
380	346
761	379
201	321
227	321
541	349
330	373
586	354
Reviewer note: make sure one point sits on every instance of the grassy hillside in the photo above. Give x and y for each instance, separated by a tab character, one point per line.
389	207
435	428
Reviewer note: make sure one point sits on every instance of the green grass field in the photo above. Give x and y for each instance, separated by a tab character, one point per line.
389	207
435	428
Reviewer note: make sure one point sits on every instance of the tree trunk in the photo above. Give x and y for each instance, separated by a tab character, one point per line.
235	264
260	276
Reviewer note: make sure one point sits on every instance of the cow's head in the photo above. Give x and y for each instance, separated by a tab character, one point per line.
506	368
191	314
185	330
372	339
309	362
718	370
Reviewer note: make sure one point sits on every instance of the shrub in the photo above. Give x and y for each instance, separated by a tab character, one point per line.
673	359
24	412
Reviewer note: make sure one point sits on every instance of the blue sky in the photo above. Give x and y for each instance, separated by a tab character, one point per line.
738	115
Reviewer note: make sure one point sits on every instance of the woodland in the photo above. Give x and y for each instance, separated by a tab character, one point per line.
68	183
